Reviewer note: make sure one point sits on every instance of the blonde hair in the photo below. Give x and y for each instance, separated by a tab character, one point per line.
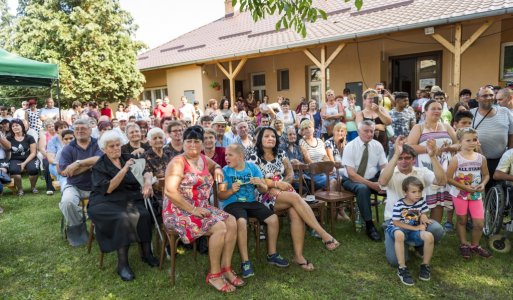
369	92
339	126
305	124
462	131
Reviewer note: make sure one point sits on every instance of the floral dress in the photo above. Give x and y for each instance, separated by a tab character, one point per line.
274	170
195	188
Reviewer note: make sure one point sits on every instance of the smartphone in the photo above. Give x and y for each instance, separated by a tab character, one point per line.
376	100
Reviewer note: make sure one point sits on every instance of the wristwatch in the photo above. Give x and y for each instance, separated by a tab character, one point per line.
78	162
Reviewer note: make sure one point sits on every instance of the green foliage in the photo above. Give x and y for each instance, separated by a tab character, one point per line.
294	13
91	40
5	22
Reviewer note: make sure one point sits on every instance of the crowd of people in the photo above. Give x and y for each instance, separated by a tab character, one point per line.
427	157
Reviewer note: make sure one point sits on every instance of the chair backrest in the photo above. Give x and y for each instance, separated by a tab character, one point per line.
322	167
299	169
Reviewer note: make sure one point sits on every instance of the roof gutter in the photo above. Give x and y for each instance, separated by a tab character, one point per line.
450	20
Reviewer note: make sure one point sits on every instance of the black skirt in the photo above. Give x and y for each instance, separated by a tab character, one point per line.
120	223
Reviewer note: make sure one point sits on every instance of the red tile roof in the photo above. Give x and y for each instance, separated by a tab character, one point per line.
239	35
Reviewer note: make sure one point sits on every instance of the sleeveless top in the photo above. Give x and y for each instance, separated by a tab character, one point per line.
330	110
468	172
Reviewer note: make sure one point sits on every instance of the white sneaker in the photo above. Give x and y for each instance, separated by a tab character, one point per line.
49	193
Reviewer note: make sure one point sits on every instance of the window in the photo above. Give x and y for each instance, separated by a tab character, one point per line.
154	94
314	83
283	80
258	85
506	62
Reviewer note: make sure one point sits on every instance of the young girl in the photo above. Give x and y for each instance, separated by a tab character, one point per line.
468	175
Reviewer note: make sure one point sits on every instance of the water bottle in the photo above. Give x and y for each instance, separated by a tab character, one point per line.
358	219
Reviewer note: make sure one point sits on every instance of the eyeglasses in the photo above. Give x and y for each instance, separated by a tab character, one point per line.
177	130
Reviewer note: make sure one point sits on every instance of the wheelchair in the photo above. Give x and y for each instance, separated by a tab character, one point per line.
498	214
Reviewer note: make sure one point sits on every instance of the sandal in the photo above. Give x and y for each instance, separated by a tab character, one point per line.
306	266
20	193
35	191
236	281
225	288
331	244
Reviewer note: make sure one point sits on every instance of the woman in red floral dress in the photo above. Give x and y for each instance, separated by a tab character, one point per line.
188	212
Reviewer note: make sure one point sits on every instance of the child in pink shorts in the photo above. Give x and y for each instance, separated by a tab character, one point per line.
468	175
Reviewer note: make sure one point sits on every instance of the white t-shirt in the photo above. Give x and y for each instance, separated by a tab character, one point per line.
50	113
353	153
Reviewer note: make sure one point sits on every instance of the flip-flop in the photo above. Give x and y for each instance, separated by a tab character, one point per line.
331	242
306	265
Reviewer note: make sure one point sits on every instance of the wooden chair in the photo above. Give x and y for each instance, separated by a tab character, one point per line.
374	201
317	207
55	183
11	186
334	199
171	239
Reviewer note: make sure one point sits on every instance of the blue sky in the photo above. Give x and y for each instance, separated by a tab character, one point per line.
160	21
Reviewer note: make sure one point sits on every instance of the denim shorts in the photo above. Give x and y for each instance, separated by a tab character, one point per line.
411	237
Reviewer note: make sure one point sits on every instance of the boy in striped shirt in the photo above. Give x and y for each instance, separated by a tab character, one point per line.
409	222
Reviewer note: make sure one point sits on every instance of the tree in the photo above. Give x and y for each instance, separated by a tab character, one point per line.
294	13
5	22
91	40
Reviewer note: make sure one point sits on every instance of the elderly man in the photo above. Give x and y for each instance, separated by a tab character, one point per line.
494	126
219	125
401	166
243	137
75	163
505	99
364	158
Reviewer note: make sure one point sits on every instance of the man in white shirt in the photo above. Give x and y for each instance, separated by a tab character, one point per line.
187	110
20	113
364	158
49	111
401	166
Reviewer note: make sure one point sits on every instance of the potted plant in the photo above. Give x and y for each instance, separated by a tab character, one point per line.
215	85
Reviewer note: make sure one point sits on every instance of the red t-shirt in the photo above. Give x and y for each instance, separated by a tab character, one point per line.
165	111
218	156
106	111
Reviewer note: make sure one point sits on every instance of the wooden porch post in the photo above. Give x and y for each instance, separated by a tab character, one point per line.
231	74
458	49
323	65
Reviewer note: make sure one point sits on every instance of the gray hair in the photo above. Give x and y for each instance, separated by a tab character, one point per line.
84	122
130	125
107	137
505	92
155	131
366	123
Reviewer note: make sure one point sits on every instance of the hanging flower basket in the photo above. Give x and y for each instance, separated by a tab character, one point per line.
215	85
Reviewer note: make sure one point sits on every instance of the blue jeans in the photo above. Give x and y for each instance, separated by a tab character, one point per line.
435	228
411	237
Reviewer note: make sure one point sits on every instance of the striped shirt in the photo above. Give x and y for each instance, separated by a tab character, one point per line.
316	151
409	214
493	131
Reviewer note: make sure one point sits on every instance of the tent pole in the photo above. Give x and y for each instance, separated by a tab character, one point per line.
59	99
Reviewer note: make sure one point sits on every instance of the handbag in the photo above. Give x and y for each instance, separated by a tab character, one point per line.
4	178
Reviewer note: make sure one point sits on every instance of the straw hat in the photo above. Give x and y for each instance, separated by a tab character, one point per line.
219	119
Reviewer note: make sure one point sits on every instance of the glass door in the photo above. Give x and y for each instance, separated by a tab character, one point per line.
258	85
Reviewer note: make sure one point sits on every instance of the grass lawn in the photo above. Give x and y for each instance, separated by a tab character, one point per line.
36	263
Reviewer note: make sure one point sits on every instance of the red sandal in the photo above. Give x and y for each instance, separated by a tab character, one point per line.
225	288
237	282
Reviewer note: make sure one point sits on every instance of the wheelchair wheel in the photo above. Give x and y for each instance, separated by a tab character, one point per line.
499	243
494	210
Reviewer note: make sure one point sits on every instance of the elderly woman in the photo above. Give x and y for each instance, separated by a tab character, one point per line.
187	209
437	197
377	114
45	136
213	109
116	206
157	158
331	114
23	156
134	146
209	147
277	171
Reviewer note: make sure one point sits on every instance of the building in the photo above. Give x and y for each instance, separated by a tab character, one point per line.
406	44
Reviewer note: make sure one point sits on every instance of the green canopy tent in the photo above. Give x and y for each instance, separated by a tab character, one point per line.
20	71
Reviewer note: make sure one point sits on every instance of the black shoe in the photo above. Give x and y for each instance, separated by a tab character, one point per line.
425	272
373	234
405	276
151	261
126	273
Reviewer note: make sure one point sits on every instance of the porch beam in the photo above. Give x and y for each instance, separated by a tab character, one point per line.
476	35
323	74
239	67
312	58
221	67
335	54
457	63
444	42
